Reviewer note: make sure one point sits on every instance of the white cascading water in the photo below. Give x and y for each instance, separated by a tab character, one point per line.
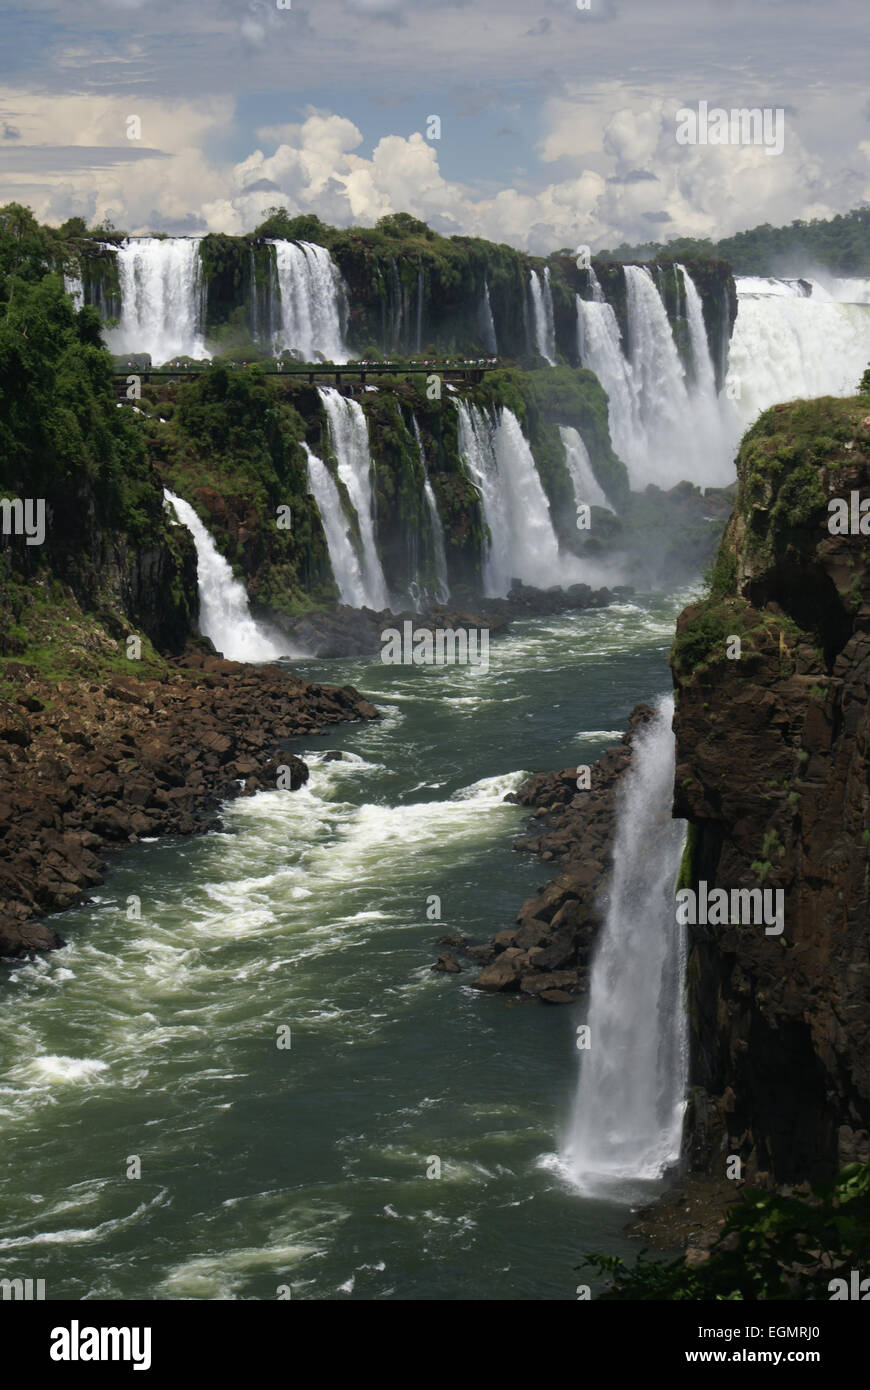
542	314
349	437
161	299
523	543
663	427
74	287
599	346
486	323
310	288
345	563
436	529
789	345
587	488
224	615
631	1094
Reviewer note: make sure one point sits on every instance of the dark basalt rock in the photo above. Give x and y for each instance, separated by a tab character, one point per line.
105	767
772	757
547	954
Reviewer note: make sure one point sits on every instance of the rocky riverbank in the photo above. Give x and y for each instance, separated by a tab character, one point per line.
88	766
547	953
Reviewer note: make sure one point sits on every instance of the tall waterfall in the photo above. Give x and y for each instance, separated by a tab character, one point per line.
311	291
599	345
664	427
161	299
224	615
523	543
486	323
345	563
542	313
349	437
587	488
796	339
436	532
628	1111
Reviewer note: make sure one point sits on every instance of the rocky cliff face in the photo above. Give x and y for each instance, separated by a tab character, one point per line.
772	774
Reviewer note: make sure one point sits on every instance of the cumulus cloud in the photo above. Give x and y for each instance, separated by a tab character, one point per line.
617	172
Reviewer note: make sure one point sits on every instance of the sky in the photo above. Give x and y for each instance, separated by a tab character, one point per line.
555	124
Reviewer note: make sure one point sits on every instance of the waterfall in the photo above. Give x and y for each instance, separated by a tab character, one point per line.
161	299
436	530
486	323
663	427
310	289
74	287
789	344
224	615
419	342
599	346
522	544
349	437
703	371
342	555
628	1111
586	486
542	314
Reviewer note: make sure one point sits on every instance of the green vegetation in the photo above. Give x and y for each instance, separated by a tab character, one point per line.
772	1247
839	244
63	440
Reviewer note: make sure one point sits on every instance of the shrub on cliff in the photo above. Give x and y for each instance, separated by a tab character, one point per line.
772	1247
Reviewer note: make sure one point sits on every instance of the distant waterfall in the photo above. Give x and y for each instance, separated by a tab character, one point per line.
436	532
74	287
349	437
628	1112
702	363
224	615
587	488
486	323
664	426
599	346
310	289
542	314
523	543
342	555
418	345
789	344
161	299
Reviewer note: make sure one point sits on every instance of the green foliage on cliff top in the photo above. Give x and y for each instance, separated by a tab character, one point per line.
772	1248
839	244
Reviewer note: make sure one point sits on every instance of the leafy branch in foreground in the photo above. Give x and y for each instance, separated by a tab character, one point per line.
772	1247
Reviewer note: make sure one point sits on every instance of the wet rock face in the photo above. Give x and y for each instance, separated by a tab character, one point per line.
772	773
85	767
547	954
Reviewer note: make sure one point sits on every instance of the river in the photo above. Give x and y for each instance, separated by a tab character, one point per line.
305	1166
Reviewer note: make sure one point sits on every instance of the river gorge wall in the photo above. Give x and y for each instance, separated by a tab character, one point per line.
771	774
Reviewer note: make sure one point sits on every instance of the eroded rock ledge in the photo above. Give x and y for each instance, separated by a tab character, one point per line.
85	766
547	954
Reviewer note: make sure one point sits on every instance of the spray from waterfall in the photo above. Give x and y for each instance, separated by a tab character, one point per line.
224	615
628	1111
